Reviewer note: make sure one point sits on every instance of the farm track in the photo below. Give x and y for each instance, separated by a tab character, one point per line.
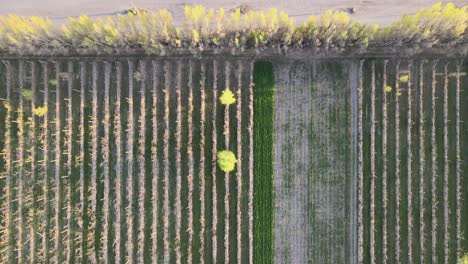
86	165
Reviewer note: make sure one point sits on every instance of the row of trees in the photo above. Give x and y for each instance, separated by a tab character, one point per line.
435	26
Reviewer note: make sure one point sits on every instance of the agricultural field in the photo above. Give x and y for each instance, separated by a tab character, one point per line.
115	161
353	182
412	138
313	173
234	136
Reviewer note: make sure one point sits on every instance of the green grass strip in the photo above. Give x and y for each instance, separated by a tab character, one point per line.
263	162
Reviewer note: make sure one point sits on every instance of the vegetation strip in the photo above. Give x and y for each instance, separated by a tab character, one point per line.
20	159
458	165
202	162
106	169
70	163
422	223
360	168
384	166
130	225
446	170
155	165
397	165
410	166
152	32
81	218
263	167
119	178
251	162
9	168
46	170
190	164
94	126
141	165
434	166
239	162
373	164
33	136
178	206
167	86
227	72
214	166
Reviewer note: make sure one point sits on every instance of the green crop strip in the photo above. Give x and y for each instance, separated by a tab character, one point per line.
263	162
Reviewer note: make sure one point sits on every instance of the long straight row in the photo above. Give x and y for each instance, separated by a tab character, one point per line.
412	129
115	162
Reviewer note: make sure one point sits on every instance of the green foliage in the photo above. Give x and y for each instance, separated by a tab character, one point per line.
27	94
202	28
388	88
53	82
227	97
404	78
226	160
40	111
263	166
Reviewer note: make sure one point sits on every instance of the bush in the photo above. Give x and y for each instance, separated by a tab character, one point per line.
227	97
226	160
27	94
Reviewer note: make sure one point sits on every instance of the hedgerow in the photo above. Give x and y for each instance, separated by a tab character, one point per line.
204	28
435	26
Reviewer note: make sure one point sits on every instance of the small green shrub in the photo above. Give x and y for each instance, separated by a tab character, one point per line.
226	160
388	89
227	97
53	82
27	94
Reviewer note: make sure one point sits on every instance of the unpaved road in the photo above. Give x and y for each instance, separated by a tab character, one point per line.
373	11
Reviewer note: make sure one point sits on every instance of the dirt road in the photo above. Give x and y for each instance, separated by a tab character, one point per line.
372	11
